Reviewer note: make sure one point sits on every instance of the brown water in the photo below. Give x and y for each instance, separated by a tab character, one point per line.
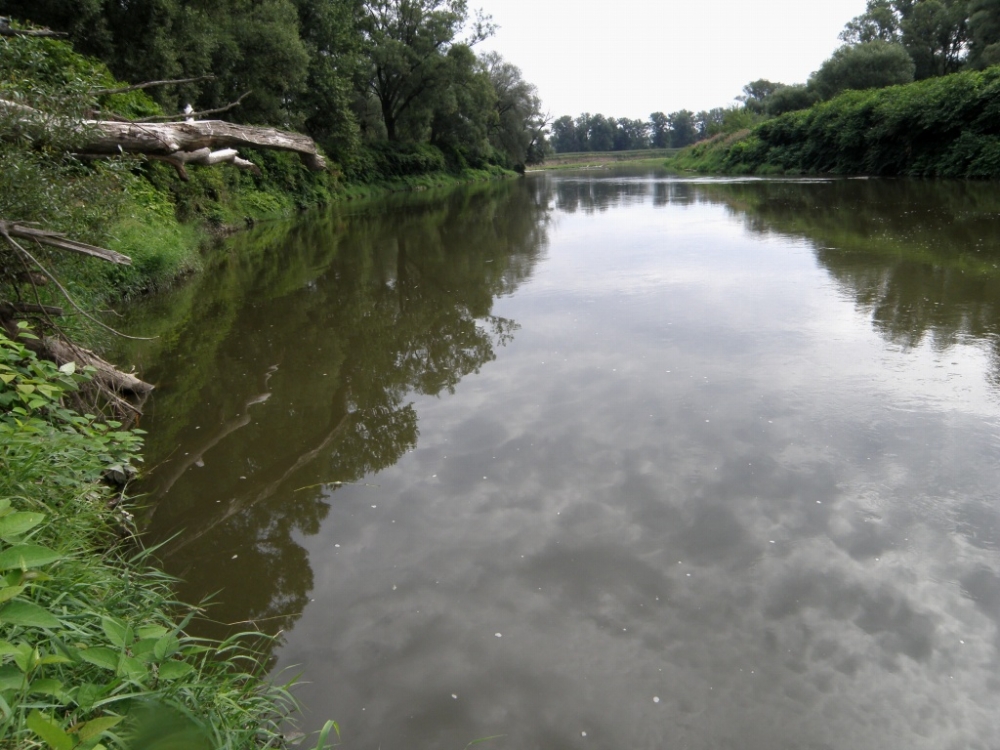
601	459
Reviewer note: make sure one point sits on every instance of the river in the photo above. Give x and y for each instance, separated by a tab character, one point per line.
599	459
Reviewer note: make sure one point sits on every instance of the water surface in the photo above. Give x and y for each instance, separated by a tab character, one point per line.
602	459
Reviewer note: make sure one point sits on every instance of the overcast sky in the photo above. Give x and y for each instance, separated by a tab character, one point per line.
628	58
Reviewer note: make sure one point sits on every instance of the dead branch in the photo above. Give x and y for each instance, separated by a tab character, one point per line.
151	84
44	237
109	138
193	115
6	30
208	158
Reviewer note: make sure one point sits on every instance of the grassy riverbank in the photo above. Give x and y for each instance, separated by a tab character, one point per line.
594	159
93	648
939	127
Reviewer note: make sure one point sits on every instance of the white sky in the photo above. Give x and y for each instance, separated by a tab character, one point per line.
628	58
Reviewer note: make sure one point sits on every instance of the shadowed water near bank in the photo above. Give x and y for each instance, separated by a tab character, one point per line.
601	459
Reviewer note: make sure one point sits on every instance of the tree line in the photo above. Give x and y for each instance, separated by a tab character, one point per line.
893	42
352	74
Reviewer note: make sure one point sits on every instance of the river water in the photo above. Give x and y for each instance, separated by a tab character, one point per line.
600	459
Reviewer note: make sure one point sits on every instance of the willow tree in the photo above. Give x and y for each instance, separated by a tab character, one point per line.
406	42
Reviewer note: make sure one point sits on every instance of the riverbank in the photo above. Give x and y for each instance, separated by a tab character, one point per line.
599	159
94	652
939	127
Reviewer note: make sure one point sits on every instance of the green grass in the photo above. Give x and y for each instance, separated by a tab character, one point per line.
93	652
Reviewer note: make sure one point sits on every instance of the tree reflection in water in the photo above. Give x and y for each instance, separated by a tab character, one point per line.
308	341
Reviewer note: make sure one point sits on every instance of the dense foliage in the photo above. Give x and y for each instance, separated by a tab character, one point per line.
349	73
940	127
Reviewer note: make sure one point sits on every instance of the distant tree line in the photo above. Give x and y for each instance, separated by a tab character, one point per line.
355	75
599	133
893	42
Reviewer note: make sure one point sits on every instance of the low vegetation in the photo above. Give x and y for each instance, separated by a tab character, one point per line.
93	652
938	127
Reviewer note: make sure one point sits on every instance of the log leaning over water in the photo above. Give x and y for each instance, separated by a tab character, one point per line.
199	141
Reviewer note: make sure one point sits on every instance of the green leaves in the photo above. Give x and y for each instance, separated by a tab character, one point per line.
12	526
49	731
27	614
26	556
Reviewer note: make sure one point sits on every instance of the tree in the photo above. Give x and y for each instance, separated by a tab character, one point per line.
564	137
984	33
659	130
406	42
630	135
682	128
864	66
518	130
600	134
756	93
934	33
463	111
244	45
790	99
709	122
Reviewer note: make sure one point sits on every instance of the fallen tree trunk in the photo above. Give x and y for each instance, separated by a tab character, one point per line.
173	140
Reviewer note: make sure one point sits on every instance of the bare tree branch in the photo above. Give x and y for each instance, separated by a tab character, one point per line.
6	30
202	113
152	84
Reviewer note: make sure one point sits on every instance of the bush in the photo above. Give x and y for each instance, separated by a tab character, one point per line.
94	651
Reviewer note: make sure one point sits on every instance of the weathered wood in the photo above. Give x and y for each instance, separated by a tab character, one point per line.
208	158
110	138
45	237
60	351
6	30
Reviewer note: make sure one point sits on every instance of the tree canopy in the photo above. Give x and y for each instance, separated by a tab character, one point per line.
349	73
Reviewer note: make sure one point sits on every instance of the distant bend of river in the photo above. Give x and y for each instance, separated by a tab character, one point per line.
600	459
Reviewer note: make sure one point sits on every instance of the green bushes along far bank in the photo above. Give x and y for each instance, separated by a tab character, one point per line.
940	127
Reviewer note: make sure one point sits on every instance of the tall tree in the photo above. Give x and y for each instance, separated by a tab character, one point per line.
682	129
984	33
564	138
406	42
518	129
935	33
659	130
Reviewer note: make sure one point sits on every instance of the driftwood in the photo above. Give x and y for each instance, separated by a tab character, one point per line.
180	142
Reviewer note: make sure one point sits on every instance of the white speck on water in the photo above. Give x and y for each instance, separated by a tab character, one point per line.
336	545
771	542
393	587
198	427
454	696
498	635
234	557
961	641
374	506
656	699
583	734
688	575
242	477
484	477
433	476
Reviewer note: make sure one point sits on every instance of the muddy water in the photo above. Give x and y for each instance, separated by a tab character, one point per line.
601	460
